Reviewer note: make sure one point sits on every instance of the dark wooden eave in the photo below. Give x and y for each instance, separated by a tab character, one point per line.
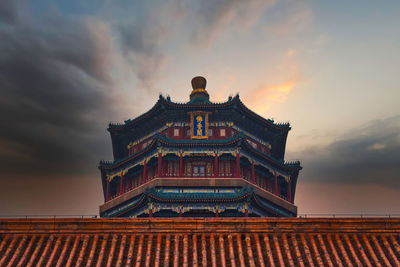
234	102
237	140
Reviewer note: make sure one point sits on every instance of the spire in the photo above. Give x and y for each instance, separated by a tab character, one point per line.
199	93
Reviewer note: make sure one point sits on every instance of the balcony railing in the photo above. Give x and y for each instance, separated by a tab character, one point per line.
264	185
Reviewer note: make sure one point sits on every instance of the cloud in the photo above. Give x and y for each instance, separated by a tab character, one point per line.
61	76
288	75
296	20
346	199
263	97
210	18
367	154
141	46
8	10
147	39
54	95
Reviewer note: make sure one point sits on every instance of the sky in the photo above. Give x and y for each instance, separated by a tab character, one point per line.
330	68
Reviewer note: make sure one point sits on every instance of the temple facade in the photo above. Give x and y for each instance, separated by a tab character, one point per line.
199	159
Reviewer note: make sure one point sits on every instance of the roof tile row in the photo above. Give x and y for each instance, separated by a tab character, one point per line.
309	247
237	249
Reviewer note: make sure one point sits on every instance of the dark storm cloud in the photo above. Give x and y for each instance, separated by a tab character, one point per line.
8	10
53	96
369	154
55	81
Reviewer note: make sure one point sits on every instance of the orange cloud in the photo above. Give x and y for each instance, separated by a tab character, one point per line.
261	98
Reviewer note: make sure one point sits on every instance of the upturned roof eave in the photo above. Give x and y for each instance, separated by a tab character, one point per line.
271	123
233	102
161	139
271	159
117	127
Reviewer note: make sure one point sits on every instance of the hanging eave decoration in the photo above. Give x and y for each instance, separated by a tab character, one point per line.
199	124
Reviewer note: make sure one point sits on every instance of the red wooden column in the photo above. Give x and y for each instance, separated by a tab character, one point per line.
216	165
144	180
121	186
180	165
159	165
289	192
276	184
253	173
237	165
108	191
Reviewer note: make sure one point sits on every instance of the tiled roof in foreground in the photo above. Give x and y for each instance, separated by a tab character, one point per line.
200	242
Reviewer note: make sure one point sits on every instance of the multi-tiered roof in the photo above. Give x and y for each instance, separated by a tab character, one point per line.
199	159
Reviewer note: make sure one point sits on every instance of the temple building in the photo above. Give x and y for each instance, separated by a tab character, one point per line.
199	159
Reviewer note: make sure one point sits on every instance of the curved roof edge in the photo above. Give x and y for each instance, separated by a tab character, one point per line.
162	101
162	139
285	126
168	141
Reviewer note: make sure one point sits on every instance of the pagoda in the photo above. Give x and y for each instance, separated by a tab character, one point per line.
199	159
